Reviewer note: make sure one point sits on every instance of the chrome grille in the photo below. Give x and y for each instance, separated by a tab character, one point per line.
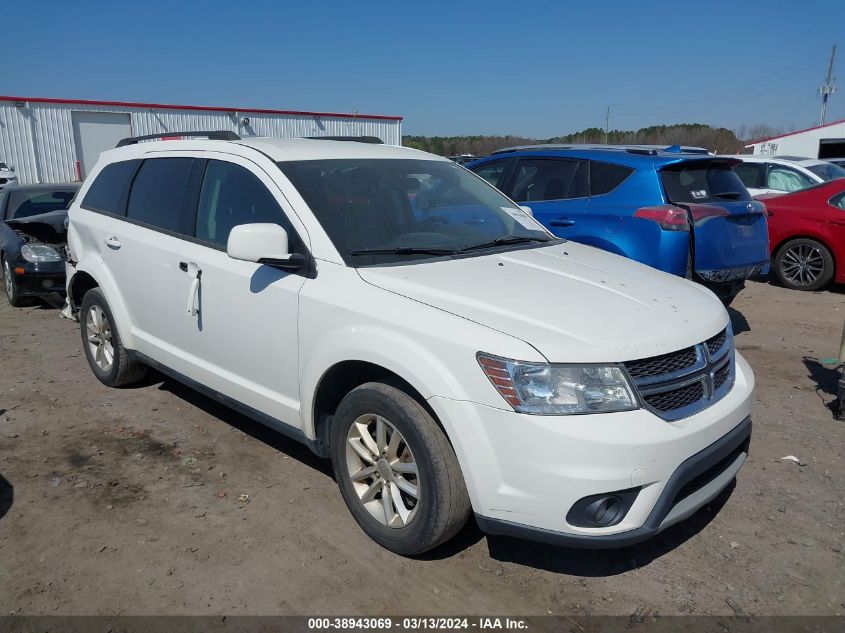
682	383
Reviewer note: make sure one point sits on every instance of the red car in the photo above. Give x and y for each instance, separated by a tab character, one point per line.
807	235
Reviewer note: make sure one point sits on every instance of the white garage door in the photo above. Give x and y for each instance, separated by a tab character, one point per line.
95	132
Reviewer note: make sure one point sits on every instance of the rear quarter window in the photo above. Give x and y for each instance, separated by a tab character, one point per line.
702	183
605	177
108	191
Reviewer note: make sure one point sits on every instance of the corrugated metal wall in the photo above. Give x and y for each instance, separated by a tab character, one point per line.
37	139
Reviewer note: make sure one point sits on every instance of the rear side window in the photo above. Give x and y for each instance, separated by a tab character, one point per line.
782	178
751	174
702	183
231	195
108	191
549	179
158	192
605	177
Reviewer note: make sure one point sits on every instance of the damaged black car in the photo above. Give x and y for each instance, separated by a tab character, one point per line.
33	240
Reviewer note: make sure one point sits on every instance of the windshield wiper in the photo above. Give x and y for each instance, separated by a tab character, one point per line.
404	250
728	195
503	241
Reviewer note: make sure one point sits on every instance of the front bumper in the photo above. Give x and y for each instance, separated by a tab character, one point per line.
524	473
40	279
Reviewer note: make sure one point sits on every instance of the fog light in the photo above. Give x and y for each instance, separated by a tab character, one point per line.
47	283
602	510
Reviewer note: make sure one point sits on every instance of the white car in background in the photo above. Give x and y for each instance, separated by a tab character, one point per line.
7	176
784	174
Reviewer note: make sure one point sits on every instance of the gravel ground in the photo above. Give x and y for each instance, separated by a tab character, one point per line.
129	501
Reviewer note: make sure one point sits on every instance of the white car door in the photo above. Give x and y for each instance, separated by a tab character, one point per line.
142	251
241	317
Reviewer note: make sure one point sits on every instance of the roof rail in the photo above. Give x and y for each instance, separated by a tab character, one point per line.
214	135
631	149
355	139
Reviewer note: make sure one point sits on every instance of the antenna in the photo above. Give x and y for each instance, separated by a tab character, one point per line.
827	88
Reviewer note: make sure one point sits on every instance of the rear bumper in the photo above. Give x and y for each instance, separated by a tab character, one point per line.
696	482
734	274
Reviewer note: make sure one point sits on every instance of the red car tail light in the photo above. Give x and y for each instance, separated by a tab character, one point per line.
669	217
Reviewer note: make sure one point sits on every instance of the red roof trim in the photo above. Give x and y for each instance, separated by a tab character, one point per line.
815	127
169	106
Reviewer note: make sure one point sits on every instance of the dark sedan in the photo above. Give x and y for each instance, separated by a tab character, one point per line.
33	238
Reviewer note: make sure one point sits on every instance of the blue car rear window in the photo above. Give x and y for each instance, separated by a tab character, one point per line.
694	183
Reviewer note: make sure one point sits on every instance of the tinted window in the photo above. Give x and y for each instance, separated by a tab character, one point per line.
702	183
605	177
24	203
783	178
549	179
158	192
838	201
107	192
377	211
827	171
231	195
491	172
751	174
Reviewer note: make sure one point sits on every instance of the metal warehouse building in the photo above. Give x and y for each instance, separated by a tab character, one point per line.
59	140
822	141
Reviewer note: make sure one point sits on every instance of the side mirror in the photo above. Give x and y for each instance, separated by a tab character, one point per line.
263	244
527	210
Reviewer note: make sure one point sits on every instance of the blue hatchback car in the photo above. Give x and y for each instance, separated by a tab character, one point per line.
681	212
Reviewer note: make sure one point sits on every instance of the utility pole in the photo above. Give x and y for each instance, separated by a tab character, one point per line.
828	88
607	123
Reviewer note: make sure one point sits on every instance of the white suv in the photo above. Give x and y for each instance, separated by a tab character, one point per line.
396	313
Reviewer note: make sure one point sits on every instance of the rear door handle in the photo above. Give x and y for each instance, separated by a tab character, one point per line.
562	222
113	242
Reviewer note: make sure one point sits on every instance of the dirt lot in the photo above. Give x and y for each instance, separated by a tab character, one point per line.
127	501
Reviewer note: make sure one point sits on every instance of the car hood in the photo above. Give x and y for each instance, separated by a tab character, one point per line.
573	303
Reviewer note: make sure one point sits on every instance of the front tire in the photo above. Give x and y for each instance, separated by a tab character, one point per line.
104	349
396	470
804	264
13	295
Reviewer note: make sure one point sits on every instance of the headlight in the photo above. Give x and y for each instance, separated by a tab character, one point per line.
544	389
38	253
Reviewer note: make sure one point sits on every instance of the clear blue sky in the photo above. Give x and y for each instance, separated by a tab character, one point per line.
533	68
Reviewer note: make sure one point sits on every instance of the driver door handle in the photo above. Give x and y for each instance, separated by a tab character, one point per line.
195	272
113	242
562	222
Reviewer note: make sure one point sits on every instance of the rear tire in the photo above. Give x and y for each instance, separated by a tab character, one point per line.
804	264
402	483
108	358
13	295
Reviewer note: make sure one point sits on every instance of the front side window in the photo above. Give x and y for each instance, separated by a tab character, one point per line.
549	179
492	171
781	178
158	193
697	182
24	203
107	193
379	211
231	195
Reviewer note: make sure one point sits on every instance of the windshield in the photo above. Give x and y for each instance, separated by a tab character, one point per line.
379	211
24	203
827	171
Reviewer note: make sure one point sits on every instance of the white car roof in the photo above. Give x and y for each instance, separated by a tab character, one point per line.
277	149
803	162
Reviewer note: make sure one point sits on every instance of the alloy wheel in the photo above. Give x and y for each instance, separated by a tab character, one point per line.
8	281
383	471
100	338
802	264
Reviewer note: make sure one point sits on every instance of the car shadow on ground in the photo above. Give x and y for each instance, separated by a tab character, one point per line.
607	562
826	377
738	321
246	425
7	496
